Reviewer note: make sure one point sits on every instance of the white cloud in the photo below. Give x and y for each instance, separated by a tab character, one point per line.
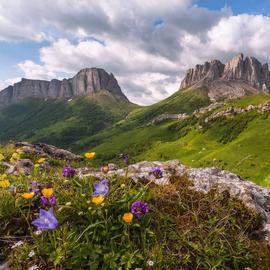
5	83
35	71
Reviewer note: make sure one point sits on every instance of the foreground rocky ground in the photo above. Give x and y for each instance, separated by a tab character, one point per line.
202	180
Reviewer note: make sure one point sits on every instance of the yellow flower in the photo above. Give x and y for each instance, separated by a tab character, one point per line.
15	156
105	169
128	217
98	200
41	160
90	154
28	195
2	157
47	192
4	184
36	165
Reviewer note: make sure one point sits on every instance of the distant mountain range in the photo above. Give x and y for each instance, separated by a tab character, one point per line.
87	82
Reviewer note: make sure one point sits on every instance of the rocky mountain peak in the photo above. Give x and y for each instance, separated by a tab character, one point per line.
237	77
87	82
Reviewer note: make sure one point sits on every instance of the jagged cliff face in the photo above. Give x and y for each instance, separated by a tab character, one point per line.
238	77
86	82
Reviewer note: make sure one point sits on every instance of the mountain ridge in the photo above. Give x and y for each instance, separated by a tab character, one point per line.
238	77
87	82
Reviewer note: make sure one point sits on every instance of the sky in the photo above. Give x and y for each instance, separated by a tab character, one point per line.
147	45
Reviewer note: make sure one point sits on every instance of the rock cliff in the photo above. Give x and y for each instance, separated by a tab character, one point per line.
238	77
87	82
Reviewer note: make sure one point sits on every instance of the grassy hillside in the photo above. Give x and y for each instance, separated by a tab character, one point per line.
61	122
239	143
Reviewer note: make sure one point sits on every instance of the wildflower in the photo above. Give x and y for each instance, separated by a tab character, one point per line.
41	160
150	263
125	158
34	183
68	204
18	244
139	208
38	232
4	183
51	200
101	188
34	186
1	157
28	195
157	172
68	172
97	200
47	192
90	155
46	220
127	217
36	165
15	156
104	168
122	186
31	254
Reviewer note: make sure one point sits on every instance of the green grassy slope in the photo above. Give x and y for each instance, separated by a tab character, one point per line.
61	122
134	134
240	143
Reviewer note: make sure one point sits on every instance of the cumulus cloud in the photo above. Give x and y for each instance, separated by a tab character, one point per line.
148	49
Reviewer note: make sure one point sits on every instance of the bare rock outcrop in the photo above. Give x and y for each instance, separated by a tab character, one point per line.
236	78
87	82
46	150
204	179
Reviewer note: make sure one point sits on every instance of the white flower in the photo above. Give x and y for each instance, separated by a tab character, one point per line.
38	232
18	244
31	254
150	263
34	267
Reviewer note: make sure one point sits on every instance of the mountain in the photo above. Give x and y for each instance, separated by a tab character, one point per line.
62	112
87	82
238	77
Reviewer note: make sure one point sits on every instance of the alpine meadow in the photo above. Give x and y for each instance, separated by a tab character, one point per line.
134	135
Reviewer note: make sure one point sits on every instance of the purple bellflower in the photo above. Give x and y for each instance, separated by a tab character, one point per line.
139	208
157	172
51	200
46	220
68	172
101	188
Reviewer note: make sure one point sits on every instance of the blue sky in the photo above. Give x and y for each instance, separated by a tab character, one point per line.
147	45
238	6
